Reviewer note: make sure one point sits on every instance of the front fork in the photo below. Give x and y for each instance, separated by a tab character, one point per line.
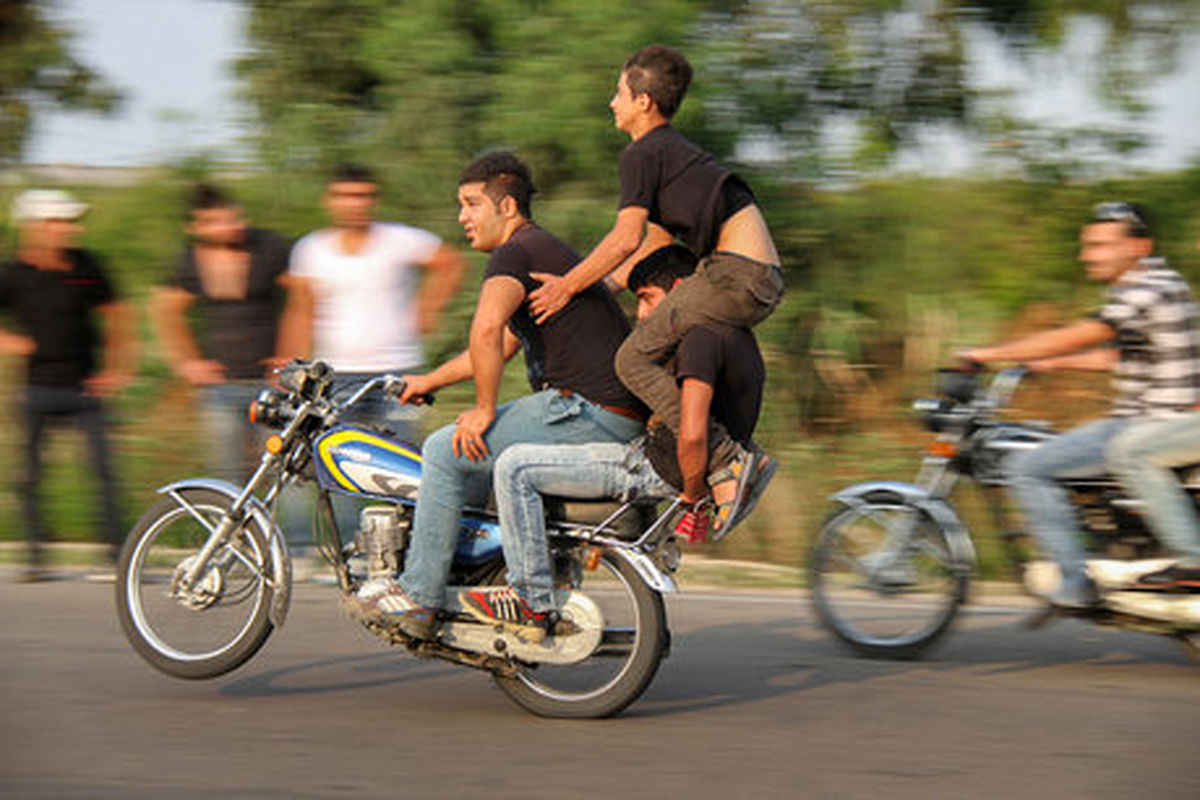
230	522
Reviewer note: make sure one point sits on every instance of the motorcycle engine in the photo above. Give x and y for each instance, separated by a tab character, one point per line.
382	537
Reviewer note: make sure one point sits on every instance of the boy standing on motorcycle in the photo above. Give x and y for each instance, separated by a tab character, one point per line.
1151	318
577	396
671	188
720	372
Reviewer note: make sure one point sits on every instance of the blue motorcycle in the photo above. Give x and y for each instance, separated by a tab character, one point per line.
205	575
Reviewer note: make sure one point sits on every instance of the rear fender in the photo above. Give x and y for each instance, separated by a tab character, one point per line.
281	562
962	549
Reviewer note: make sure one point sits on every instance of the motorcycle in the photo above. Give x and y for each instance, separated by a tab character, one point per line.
204	576
891	566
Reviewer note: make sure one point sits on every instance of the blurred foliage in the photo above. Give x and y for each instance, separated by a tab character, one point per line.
38	69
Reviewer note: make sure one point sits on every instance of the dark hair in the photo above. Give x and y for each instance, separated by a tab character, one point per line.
661	72
1137	224
502	174
205	197
662	268
351	173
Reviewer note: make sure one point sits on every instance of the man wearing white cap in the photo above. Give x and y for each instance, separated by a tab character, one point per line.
55	293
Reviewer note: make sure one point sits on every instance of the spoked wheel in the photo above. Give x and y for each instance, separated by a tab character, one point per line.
213	626
632	645
885	580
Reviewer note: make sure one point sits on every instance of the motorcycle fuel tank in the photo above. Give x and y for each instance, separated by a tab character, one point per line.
358	461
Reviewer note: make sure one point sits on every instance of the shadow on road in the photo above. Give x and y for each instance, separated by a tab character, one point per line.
348	673
732	664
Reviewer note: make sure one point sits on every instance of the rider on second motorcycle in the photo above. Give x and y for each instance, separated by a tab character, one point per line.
1147	334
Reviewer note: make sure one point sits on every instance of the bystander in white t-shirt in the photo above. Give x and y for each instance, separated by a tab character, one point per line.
365	303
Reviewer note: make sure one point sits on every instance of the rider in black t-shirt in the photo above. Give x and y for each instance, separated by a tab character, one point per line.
577	397
720	371
57	294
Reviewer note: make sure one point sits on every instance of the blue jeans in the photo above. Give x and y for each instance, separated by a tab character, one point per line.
233	441
448	483
1045	503
525	472
1142	457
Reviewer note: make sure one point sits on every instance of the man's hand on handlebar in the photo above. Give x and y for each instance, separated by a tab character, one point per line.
418	390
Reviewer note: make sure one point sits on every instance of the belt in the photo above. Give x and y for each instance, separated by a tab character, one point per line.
623	411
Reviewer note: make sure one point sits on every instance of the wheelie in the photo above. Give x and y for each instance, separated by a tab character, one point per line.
891	567
205	576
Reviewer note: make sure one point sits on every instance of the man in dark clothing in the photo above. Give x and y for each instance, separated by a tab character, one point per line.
720	372
57	293
670	189
577	396
234	273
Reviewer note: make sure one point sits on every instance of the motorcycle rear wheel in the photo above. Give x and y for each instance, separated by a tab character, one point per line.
223	620
884	588
617	673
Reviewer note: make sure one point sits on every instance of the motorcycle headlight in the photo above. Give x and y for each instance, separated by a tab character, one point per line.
270	409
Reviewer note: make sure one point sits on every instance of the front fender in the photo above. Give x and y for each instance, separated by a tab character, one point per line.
281	562
962	549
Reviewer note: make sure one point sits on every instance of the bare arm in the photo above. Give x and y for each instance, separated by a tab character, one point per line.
16	344
168	313
1102	359
1069	339
614	249
692	448
443	275
498	301
296	324
455	370
656	237
120	351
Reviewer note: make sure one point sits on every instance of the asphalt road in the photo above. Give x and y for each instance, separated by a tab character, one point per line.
754	702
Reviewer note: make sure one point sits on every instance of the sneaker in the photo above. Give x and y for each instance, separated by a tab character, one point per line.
503	606
1175	576
385	601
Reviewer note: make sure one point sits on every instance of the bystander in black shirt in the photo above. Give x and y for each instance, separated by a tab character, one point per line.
574	349
240	332
55	308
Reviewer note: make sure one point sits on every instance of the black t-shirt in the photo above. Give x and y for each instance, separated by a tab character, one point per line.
575	348
55	308
240	333
727	359
682	187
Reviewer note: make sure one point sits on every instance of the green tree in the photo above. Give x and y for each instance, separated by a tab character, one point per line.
38	68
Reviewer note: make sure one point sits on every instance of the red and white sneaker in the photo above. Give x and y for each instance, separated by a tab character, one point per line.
502	606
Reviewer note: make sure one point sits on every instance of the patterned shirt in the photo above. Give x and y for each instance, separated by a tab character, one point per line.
1155	317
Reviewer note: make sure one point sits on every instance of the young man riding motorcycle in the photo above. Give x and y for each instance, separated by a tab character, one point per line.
577	396
1151	318
720	372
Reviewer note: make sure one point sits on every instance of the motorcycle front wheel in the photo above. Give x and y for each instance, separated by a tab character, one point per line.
218	623
884	579
632	646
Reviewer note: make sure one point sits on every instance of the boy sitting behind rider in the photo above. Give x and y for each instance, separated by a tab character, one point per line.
720	372
1151	318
